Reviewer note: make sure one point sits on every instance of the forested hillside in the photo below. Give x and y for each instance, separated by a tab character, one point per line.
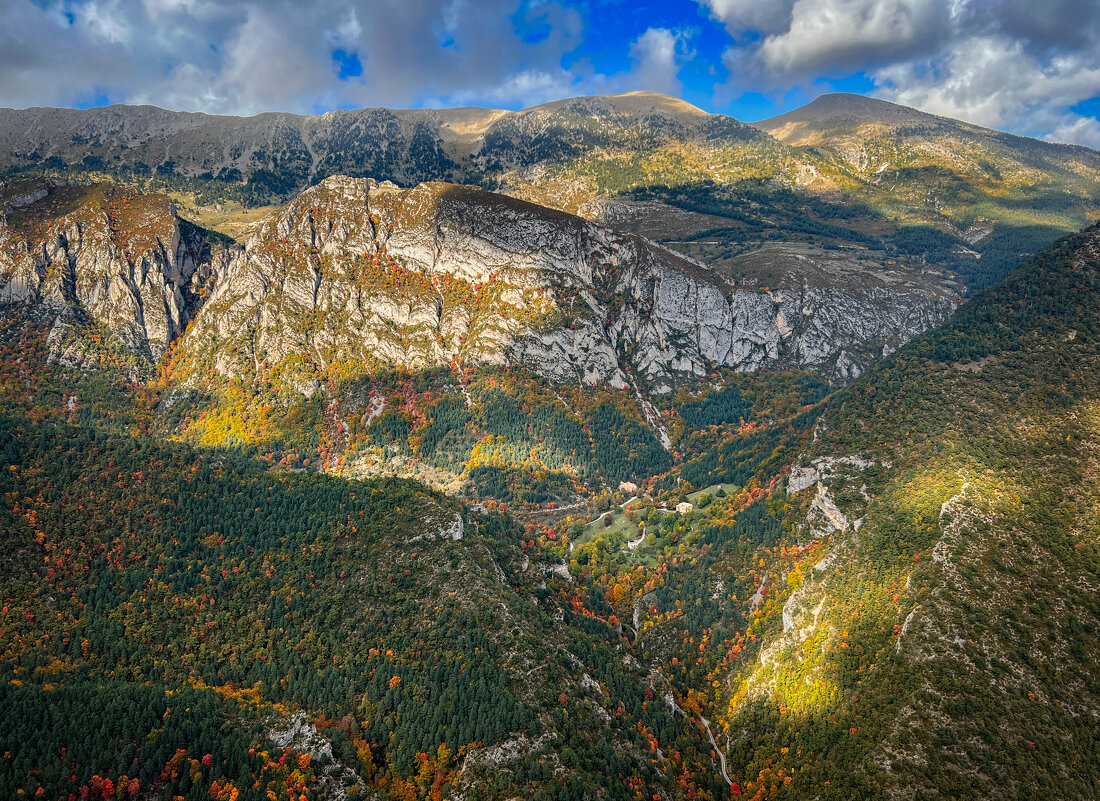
949	647
920	581
437	493
196	606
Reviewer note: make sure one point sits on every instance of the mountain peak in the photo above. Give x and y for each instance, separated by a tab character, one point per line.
840	109
635	101
829	116
835	104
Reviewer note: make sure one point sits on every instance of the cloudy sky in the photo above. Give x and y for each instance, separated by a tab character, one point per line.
1028	66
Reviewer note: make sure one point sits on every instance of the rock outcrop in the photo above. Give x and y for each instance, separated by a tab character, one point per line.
120	261
355	274
359	272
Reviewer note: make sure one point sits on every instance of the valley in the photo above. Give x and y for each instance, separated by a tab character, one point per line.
605	449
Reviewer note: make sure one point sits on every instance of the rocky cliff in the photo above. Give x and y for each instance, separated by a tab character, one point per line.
357	273
122	262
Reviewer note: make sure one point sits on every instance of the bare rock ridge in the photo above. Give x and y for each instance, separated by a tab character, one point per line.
360	271
355	273
122	261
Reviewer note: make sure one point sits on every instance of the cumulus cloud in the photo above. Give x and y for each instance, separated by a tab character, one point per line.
846	34
249	56
1080	131
802	37
740	16
658	56
992	81
104	21
1002	63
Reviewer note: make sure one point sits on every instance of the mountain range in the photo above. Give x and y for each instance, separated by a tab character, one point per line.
604	449
922	185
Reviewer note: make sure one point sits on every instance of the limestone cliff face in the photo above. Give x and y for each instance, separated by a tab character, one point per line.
123	262
355	274
698	324
358	273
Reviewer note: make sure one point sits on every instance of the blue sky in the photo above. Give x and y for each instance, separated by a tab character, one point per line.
702	72
1019	65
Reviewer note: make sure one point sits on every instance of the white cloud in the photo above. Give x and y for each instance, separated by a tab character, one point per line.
992	81
658	55
267	55
1014	64
1080	131
847	34
104	21
157	7
745	15
348	33
243	77
797	40
248	56
452	14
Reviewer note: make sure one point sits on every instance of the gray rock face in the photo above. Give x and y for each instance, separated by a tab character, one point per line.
124	262
356	271
356	274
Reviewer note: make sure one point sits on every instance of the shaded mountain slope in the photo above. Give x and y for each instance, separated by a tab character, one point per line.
947	643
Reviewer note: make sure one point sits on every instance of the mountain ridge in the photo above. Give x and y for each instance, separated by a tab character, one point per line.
839	105
83	122
587	295
750	583
844	107
919	192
